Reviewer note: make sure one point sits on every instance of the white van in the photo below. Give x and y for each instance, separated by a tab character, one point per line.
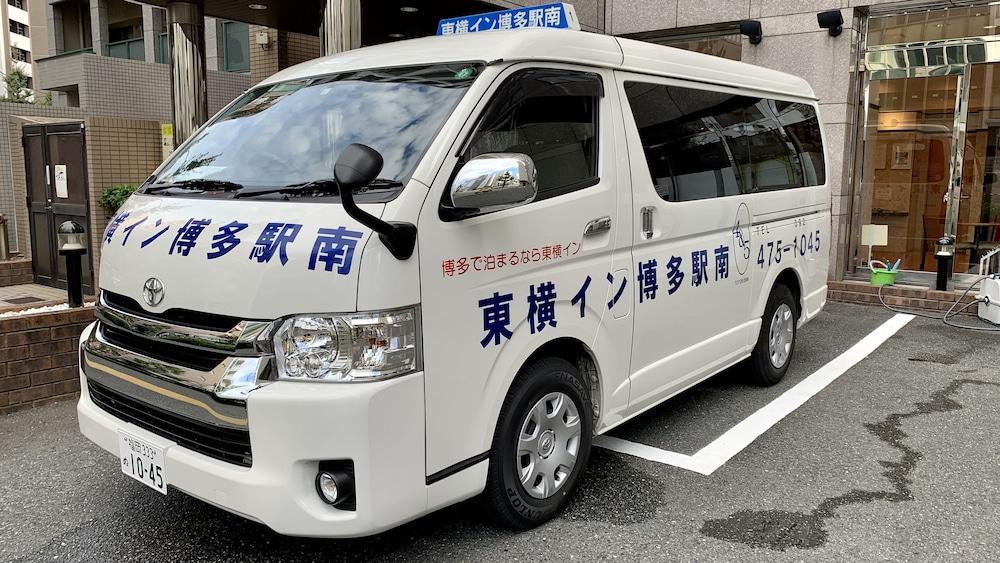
533	236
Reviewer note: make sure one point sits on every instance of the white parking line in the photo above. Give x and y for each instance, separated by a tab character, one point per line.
732	442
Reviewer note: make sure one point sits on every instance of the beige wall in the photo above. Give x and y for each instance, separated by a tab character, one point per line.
119	151
284	50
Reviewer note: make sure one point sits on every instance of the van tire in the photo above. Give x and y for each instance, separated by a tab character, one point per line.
762	369
507	500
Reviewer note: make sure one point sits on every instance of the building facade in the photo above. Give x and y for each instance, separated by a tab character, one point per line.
17	48
906	92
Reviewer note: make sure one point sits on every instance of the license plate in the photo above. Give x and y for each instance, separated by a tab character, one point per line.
142	461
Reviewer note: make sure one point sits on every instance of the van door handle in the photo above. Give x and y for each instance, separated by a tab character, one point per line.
646	217
597	226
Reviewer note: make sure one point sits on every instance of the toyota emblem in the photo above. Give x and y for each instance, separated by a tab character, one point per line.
152	292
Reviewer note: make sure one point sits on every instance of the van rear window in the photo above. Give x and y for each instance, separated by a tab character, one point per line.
701	144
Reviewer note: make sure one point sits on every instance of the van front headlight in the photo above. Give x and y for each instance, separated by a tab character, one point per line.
345	348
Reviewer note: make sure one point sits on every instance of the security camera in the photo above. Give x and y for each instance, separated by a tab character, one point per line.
831	21
752	29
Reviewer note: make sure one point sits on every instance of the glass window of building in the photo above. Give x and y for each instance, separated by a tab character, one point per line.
125	30
16	3
19	54
18	28
722	41
235	39
934	25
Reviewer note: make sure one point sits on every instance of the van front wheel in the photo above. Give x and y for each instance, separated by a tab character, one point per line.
541	445
776	343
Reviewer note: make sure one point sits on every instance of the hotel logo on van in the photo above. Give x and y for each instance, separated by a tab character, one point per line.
741	239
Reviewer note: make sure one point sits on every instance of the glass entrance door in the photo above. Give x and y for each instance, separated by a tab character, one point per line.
909	153
978	203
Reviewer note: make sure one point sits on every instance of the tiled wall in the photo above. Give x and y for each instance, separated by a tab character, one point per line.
284	50
119	151
263	62
15	272
134	89
295	48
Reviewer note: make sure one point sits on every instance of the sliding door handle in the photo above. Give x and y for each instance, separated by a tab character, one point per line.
597	226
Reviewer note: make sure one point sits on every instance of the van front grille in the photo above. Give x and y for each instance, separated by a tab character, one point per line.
225	444
181	317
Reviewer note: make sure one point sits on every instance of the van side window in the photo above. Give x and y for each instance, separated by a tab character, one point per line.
551	116
703	144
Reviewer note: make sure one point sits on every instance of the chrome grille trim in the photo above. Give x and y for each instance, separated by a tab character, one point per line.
238	341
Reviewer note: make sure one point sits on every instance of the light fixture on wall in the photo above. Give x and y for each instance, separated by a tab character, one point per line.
753	30
832	21
257	6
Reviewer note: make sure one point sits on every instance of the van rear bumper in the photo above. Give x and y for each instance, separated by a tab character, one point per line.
293	426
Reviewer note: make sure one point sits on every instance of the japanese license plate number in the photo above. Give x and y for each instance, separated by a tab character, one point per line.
142	461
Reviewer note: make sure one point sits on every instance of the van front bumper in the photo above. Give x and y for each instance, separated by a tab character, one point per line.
294	426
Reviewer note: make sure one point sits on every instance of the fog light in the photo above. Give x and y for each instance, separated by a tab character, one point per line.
334	487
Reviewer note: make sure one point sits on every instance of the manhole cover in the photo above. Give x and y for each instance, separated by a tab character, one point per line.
23	300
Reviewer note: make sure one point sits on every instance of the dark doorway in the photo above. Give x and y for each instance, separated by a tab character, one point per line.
55	164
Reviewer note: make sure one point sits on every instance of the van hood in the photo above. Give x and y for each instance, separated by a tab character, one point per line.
247	259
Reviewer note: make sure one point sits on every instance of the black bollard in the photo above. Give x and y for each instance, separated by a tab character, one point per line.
944	255
72	245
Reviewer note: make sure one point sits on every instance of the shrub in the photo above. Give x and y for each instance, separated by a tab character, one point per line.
113	197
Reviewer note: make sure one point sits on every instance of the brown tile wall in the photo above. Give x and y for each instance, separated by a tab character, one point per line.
899	296
39	359
15	272
294	48
119	151
285	49
263	62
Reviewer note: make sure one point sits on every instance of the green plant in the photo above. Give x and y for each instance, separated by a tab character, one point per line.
15	83
114	196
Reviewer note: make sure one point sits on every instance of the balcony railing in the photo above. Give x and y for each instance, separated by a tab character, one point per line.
128	49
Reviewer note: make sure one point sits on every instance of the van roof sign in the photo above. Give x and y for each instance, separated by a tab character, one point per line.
556	15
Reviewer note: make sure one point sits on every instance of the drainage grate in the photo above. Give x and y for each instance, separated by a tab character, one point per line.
23	300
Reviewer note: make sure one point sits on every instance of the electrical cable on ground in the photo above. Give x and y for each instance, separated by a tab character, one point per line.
951	312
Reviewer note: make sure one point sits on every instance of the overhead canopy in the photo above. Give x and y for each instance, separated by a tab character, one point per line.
381	20
302	16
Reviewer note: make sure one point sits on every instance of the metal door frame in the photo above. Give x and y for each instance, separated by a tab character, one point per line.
909	60
45	129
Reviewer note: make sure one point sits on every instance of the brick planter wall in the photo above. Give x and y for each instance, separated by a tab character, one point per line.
15	272
39	359
899	296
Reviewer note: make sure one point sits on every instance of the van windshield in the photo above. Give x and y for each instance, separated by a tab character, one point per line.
292	132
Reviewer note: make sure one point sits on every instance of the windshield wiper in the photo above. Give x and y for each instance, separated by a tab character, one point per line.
325	185
196	185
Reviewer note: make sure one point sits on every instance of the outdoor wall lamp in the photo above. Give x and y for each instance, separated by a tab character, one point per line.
831	21
753	31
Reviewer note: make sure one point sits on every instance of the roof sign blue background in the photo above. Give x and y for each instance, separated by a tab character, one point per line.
556	15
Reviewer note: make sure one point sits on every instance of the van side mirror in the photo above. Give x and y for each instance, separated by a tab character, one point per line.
356	167
495	181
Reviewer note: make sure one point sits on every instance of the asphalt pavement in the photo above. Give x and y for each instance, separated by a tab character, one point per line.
895	460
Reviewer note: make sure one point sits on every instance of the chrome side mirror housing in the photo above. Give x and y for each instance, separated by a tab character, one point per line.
495	181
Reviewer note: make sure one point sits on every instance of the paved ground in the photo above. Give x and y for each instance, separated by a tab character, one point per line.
896	460
17	297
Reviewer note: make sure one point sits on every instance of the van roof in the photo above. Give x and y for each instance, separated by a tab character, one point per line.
556	45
